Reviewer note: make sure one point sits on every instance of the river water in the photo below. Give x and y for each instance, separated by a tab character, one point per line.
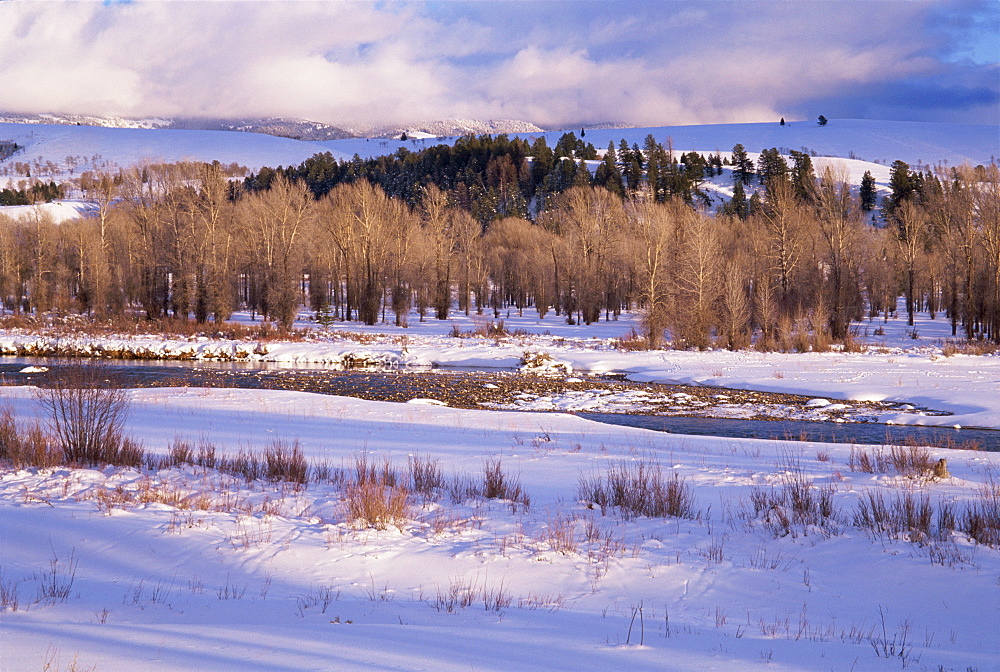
470	388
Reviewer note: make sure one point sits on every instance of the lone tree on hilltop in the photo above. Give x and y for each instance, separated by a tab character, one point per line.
822	121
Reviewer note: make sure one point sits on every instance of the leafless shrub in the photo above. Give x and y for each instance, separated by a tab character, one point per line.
630	342
981	518
53	664
181	452
911	461
498	484
426	477
285	462
324	471
863	461
560	534
55	584
461	594
88	417
495	483
796	504
640	489
907	515
56	326
369	472
899	646
206	455
463	487
760	559
322	598
715	551
964	347
245	464
9	594
26	446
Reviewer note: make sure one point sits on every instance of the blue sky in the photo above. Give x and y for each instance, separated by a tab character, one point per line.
555	63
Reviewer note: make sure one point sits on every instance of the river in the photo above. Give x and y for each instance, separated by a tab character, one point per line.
472	389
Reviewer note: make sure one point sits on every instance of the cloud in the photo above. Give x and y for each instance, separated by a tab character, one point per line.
552	63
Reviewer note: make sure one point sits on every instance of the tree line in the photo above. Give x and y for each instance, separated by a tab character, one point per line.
481	227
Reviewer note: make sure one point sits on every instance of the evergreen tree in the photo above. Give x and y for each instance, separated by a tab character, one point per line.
742	165
782	121
608	175
631	167
738	205
716	161
803	176
542	160
571	146
582	176
822	121
868	193
771	166
902	183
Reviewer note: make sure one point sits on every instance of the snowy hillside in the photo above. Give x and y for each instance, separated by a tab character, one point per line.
873	141
109	147
60	151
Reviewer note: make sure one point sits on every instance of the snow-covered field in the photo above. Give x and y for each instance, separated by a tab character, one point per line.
189	568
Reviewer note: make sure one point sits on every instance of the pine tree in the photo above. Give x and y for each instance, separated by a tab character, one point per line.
542	160
771	166
608	175
803	176
742	165
782	121
902	182
582	176
822	121
738	206
868	193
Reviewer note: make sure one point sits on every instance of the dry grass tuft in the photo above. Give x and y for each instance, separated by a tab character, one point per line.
639	489
377	504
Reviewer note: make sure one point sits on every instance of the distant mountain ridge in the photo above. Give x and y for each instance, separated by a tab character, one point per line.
296	129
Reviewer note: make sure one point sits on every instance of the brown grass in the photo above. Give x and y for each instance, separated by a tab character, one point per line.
639	489
911	461
60	326
377	504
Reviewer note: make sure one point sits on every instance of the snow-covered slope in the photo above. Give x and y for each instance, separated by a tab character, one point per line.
123	147
873	141
876	141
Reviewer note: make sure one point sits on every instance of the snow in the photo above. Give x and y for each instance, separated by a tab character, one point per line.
188	568
166	587
853	141
57	211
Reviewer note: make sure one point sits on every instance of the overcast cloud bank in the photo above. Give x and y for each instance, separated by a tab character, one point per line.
644	63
